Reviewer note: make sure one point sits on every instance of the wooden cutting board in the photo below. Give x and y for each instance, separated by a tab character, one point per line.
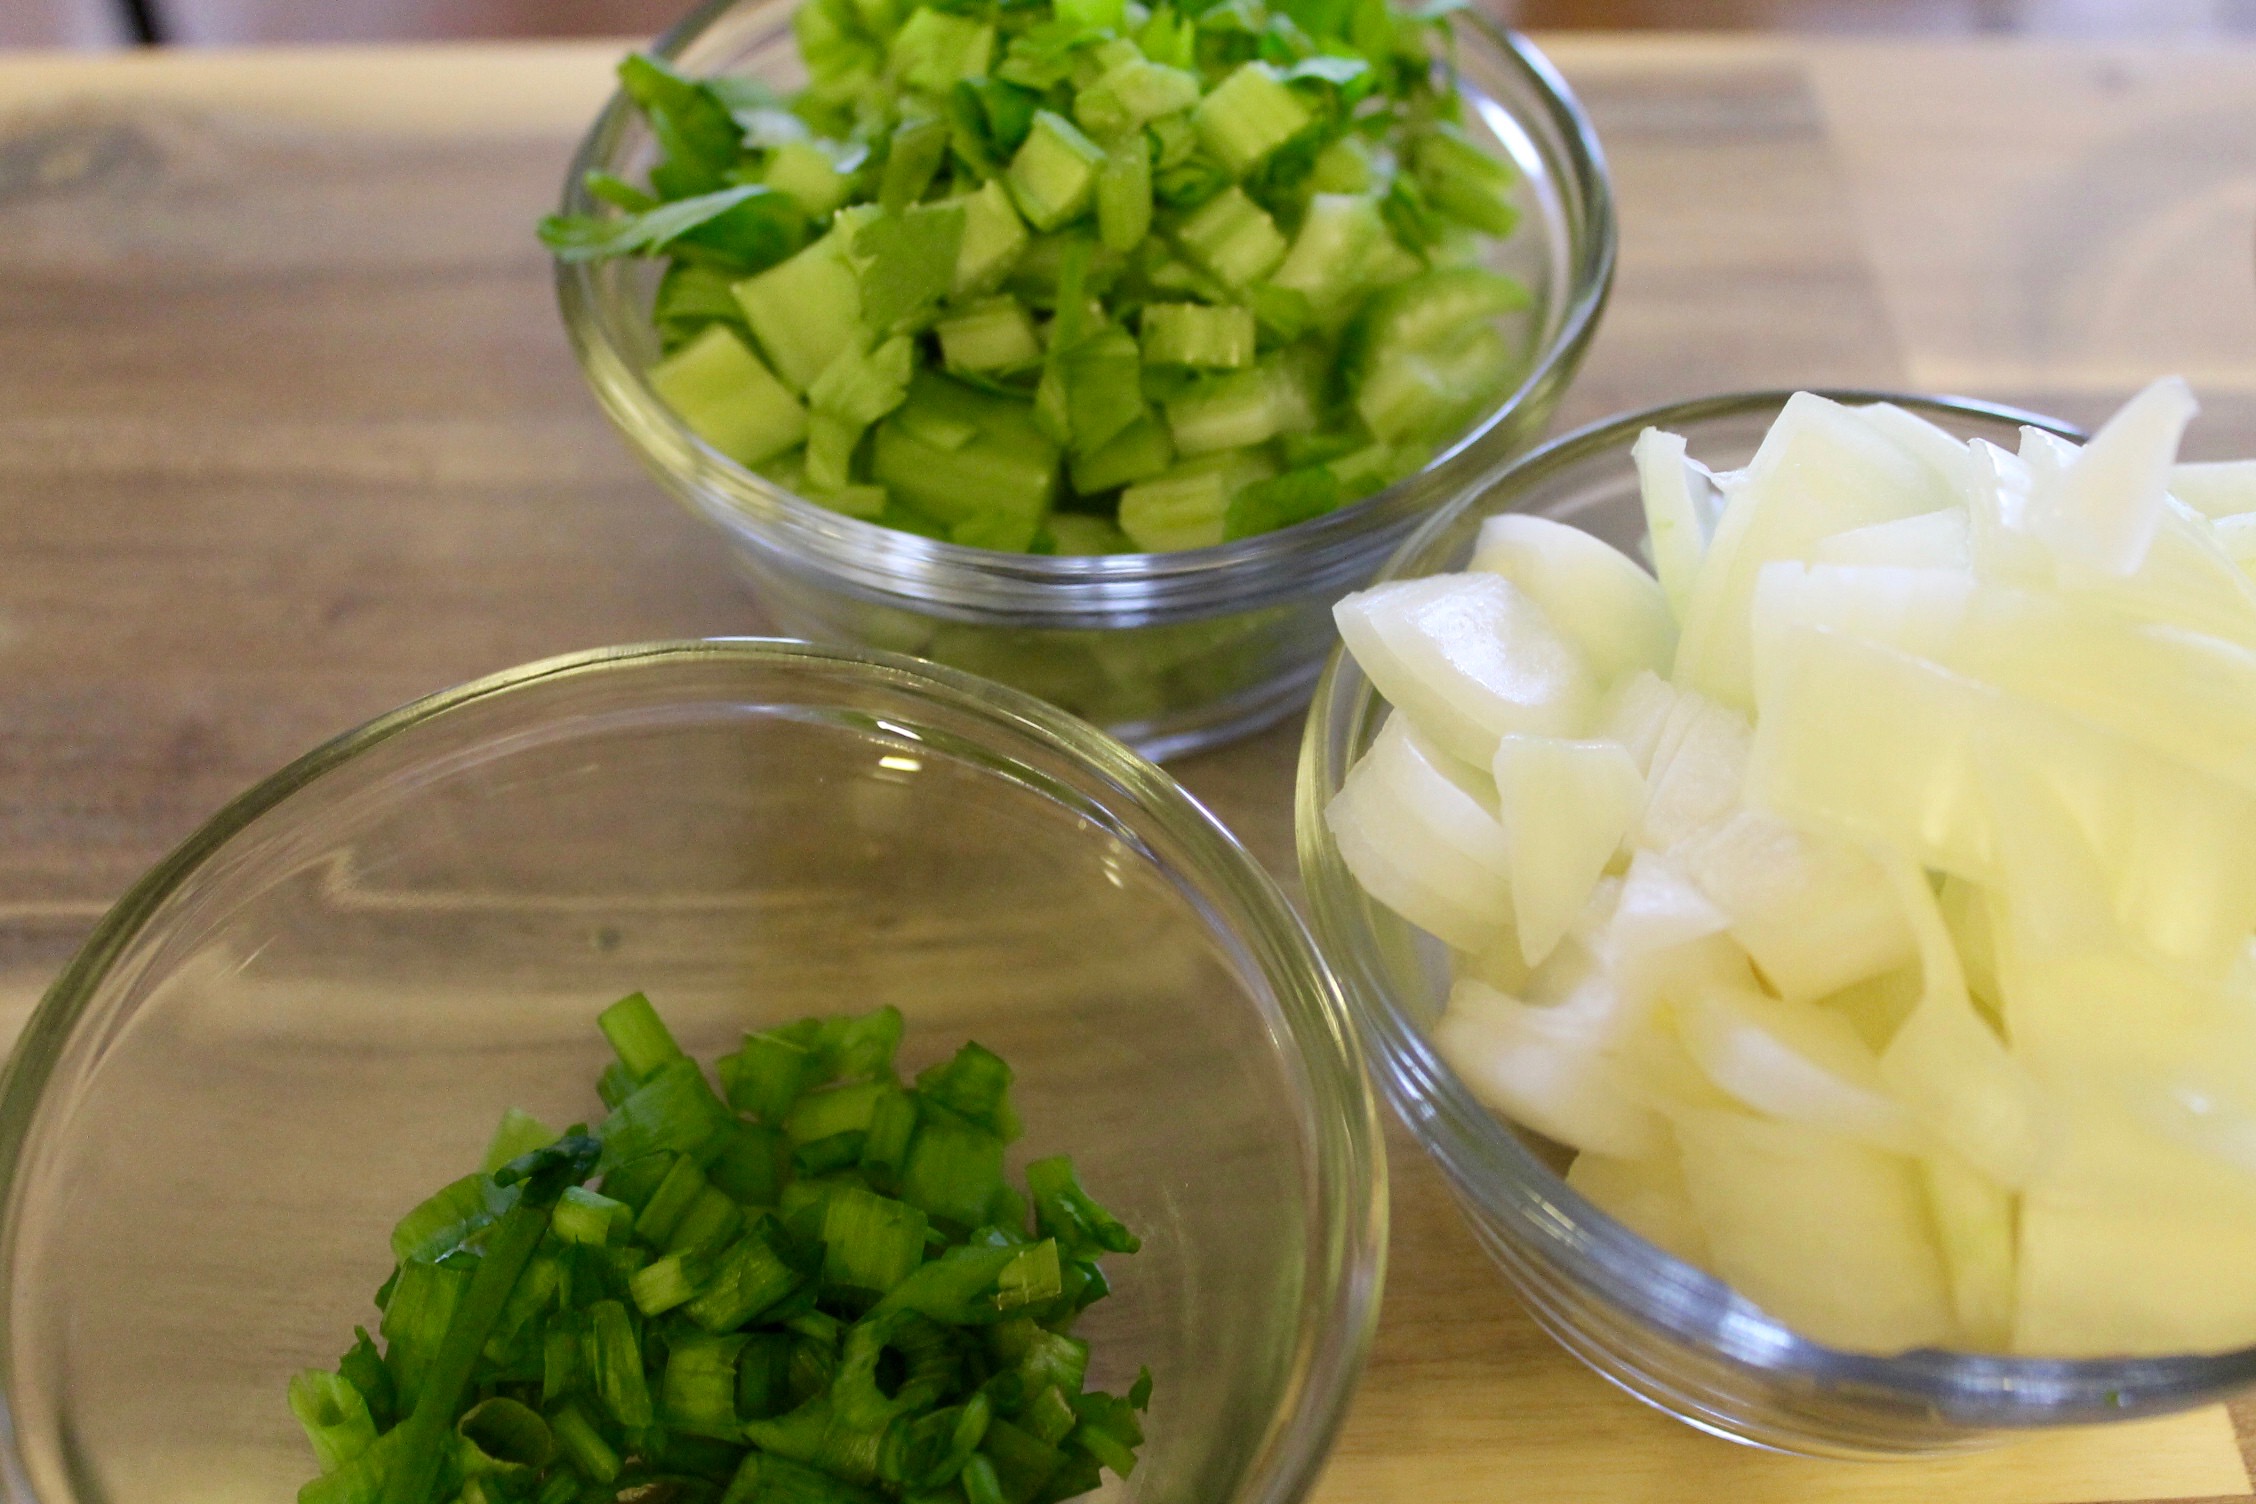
289	434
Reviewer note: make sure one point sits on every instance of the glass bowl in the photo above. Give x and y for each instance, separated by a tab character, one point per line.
313	1013
1669	1334
1172	652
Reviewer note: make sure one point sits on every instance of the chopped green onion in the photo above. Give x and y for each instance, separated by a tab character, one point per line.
334	1415
638	1035
747	1279
518	1133
667	1205
615	1361
584	1216
584	1446
675	1109
870	1242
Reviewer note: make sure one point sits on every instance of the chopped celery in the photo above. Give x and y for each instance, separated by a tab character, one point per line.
1232	238
1124	194
1276	176
728	398
1076	533
1054	174
1247	116
993	238
993	334
1188	506
934	48
1137	452
806	311
1194	334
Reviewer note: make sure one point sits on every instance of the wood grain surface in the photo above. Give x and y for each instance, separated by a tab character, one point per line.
289	434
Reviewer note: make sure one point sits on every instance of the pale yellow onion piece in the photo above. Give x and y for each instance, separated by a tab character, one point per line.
2189	579
1828	1235
1945	1065
1932	540
1813	910
1367	846
1698	771
1659	910
1677	525
1944	453
1610	609
2237	536
1970	914
1635	712
1560	1087
1794	1061
1974	1224
1917	611
1862	739
1997	529
2112	1281
1575	992
1821	470
2217	489
1469	658
1647	1196
2100	514
1566	807
1877	1006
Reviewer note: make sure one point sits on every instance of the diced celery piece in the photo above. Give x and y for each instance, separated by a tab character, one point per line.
1430	393
1137	452
1438	306
1331	252
863	501
1233	238
994	334
1103	377
1006	531
1007	466
918	147
1194	334
1054	174
1234	411
934	48
1464	182
1124	196
806	172
807	310
1132	93
1188	507
862	388
1079	535
993	239
1342	167
1247	116
728	398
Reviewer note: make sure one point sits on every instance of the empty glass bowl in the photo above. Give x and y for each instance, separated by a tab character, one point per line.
312	1014
1171	652
1668	1333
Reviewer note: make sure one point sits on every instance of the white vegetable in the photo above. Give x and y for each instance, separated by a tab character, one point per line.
2100	514
1812	910
1514	1060
1566	807
2215	489
1610	609
1974	1224
1821	470
1893	953
1826	1234
1681	506
1794	1061
1469	658
1647	1196
1932	540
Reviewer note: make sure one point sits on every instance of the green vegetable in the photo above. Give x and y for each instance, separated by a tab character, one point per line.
1083	212
892	1324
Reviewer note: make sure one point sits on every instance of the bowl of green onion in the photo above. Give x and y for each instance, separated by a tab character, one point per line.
1090	346
737	1072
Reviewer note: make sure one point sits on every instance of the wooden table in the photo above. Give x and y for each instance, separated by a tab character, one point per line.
289	434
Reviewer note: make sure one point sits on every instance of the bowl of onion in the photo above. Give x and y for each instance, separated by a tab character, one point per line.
1793	858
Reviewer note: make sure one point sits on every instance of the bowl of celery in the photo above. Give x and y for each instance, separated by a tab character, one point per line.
740	1071
1093	348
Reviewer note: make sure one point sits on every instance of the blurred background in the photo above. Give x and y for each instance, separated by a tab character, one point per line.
118	23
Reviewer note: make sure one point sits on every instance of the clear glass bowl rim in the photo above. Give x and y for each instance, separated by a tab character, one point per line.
1037	590
1503	1183
1348	1236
